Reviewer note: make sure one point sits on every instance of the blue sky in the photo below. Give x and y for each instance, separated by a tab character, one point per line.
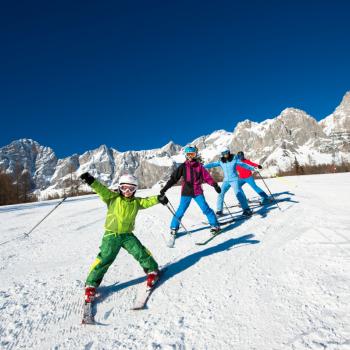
136	74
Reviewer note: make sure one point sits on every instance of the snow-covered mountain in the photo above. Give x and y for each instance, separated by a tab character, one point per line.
339	120
275	143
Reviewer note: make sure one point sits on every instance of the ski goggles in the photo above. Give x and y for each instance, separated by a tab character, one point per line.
125	188
191	154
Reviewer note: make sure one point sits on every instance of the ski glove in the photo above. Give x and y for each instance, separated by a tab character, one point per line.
217	188
87	178
259	166
163	199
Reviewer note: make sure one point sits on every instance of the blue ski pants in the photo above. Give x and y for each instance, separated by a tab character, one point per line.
237	189
184	204
251	182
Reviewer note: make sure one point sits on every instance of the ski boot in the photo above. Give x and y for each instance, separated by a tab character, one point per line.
247	212
90	293
215	230
265	200
172	238
219	213
152	278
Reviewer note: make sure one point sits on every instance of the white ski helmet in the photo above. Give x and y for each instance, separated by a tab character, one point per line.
128	179
225	150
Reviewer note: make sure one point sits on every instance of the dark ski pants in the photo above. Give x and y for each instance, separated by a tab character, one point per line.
109	249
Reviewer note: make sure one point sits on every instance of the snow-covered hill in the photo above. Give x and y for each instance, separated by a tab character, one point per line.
275	143
279	280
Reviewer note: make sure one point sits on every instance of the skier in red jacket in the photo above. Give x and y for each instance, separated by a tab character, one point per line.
245	176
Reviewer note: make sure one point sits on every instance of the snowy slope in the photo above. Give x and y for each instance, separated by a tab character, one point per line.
279	280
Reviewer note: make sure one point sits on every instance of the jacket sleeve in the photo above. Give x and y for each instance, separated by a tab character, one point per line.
147	202
211	165
105	194
207	177
244	165
249	162
174	178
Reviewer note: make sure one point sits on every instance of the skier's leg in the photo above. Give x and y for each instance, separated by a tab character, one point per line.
220	201
109	249
134	247
184	203
250	181
237	189
200	200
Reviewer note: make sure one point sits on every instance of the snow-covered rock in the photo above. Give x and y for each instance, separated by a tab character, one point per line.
275	143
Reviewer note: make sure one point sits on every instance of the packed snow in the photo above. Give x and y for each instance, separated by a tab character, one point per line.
279	280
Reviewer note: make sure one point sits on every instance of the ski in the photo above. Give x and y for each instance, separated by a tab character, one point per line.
210	238
88	317
142	298
222	223
229	221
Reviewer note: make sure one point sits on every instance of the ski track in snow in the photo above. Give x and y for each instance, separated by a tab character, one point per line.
279	280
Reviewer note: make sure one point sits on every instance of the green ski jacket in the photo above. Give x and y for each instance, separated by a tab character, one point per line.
122	211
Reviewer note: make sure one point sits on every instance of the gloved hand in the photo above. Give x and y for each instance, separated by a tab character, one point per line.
217	188
87	178
163	199
259	166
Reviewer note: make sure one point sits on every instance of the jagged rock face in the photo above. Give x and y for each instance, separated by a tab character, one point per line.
274	143
108	165
29	155
339	120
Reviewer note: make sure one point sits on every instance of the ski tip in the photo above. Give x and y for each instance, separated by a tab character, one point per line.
88	322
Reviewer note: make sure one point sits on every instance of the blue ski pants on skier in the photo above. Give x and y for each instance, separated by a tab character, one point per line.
184	204
237	189
251	182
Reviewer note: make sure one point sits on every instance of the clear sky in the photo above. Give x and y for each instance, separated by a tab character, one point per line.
136	74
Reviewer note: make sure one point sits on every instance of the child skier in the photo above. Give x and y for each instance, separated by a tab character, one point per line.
245	176
229	163
193	175
122	210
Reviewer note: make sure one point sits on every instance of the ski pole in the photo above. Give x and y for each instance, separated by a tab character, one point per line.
268	190
172	211
26	234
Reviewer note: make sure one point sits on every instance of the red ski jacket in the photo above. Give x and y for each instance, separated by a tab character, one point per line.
245	173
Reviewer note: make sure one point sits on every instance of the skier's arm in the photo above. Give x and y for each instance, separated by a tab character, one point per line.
105	194
174	178
147	202
249	162
211	165
244	165
207	177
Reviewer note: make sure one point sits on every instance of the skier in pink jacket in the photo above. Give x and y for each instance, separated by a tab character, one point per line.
192	174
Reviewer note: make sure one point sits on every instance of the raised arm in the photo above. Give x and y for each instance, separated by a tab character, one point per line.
249	162
211	165
105	194
147	202
244	165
